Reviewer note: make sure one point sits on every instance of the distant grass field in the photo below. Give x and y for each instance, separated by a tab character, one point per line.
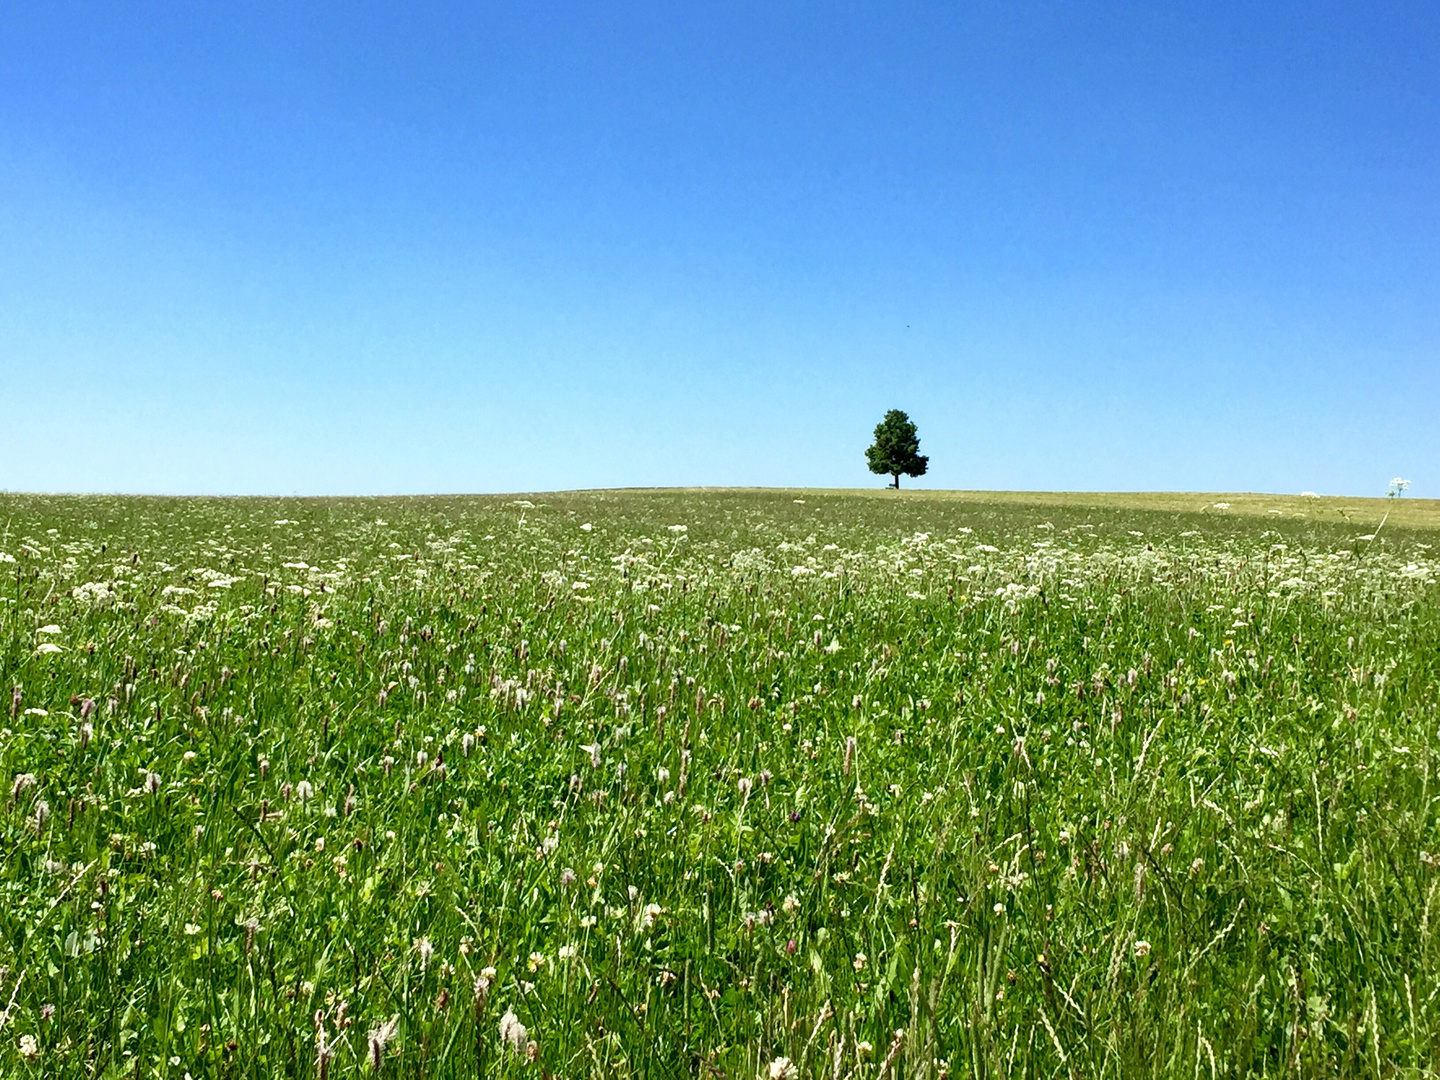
719	783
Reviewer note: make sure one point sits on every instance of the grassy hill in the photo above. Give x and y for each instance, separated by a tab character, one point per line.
729	783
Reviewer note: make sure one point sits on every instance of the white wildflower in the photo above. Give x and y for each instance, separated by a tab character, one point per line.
513	1031
782	1068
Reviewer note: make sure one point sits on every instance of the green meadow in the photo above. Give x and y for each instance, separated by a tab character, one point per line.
728	784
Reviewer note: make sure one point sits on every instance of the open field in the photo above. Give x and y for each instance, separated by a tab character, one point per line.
719	783
1343	510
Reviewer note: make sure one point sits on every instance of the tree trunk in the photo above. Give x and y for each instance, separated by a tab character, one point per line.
896	485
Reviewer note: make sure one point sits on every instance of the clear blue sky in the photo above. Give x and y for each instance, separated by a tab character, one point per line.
359	247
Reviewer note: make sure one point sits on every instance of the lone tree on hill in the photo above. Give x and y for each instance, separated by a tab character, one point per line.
897	448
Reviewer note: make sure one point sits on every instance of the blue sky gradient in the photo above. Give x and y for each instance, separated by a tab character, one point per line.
373	248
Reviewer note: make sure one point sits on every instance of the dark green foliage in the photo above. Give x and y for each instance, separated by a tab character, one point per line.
897	448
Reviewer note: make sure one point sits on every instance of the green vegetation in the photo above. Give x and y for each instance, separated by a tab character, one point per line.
896	449
730	784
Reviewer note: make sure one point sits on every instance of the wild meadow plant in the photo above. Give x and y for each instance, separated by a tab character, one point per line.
741	785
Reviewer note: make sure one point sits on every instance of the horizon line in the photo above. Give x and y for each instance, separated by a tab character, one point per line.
882	491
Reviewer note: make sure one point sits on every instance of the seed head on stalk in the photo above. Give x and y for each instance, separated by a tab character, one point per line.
324	1048
379	1038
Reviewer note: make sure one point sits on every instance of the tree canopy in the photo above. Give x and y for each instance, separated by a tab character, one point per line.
897	448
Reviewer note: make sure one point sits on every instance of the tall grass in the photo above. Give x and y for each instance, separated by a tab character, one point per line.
730	784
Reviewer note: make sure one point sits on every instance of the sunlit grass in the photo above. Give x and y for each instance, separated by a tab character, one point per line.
722	783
